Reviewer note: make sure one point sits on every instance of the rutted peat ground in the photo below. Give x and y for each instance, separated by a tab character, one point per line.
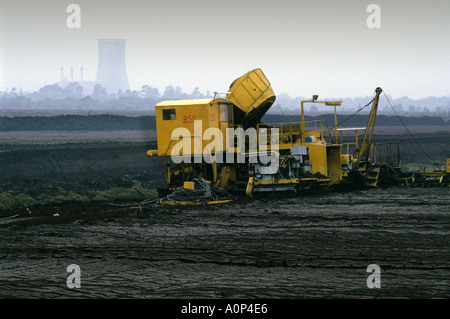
33	175
306	247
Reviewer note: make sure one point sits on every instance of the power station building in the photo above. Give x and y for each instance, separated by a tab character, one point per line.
112	71
88	86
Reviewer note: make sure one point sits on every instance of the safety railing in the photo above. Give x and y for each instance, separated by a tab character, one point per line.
385	153
295	128
348	147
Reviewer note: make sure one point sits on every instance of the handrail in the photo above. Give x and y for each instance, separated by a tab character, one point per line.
376	150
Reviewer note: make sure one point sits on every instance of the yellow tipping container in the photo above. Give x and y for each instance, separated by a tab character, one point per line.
253	96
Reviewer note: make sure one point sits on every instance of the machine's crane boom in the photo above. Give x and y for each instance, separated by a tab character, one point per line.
364	151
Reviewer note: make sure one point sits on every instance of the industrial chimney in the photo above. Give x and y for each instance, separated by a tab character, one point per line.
111	70
81	74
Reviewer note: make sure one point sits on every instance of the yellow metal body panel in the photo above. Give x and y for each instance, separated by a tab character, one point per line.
447	166
318	157
180	116
334	163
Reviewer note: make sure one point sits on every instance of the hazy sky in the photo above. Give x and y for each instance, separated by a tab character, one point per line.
303	47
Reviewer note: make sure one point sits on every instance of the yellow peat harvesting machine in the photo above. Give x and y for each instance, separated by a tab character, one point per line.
222	141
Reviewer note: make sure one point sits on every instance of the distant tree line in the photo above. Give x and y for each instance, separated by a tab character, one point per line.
432	106
73	97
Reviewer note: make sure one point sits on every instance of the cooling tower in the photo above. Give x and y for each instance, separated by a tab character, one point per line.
112	71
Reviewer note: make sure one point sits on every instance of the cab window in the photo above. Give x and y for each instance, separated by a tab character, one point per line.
226	112
169	114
